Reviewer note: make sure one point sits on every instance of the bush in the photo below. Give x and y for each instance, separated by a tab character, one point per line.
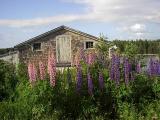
8	80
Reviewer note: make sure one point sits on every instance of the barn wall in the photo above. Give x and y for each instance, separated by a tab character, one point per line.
49	42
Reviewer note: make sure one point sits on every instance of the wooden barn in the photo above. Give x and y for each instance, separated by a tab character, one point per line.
63	41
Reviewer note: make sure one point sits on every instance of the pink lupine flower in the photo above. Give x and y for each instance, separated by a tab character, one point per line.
76	60
90	58
48	66
32	72
52	69
30	66
81	54
42	70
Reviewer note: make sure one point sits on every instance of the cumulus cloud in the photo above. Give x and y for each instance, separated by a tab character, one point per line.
119	11
136	30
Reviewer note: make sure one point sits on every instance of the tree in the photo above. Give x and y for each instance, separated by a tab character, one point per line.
131	50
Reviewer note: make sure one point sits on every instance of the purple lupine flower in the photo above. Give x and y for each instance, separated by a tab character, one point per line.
101	81
138	67
112	67
79	78
156	67
90	84
130	67
126	70
117	70
151	67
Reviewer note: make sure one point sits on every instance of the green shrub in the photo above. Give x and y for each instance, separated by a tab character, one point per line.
8	80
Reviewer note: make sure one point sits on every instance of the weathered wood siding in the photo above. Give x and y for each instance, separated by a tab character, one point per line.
66	48
63	49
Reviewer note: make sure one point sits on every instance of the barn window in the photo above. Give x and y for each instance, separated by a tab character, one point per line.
36	46
88	44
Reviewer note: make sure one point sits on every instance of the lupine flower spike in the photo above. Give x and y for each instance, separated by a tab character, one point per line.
76	60
32	73
30	68
151	67
117	70
79	78
42	70
126	71
90	58
90	84
112	67
81	54
52	69
48	66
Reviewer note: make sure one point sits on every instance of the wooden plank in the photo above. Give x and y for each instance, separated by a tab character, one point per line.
63	49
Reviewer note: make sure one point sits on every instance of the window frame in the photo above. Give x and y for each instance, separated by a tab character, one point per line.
37	49
85	46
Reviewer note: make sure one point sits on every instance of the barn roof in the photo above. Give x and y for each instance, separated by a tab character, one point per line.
55	30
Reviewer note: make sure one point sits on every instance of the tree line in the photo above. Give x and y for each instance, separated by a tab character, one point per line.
143	46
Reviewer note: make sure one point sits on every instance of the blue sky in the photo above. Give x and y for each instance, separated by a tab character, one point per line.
116	19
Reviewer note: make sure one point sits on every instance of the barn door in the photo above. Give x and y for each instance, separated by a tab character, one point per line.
63	49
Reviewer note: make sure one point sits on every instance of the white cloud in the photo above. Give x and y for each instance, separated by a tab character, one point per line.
136	30
119	11
123	11
39	21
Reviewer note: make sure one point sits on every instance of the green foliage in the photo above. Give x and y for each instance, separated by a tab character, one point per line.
139	100
8	80
127	111
103	47
143	46
131	50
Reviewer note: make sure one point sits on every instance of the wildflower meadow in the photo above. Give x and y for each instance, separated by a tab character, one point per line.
96	88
